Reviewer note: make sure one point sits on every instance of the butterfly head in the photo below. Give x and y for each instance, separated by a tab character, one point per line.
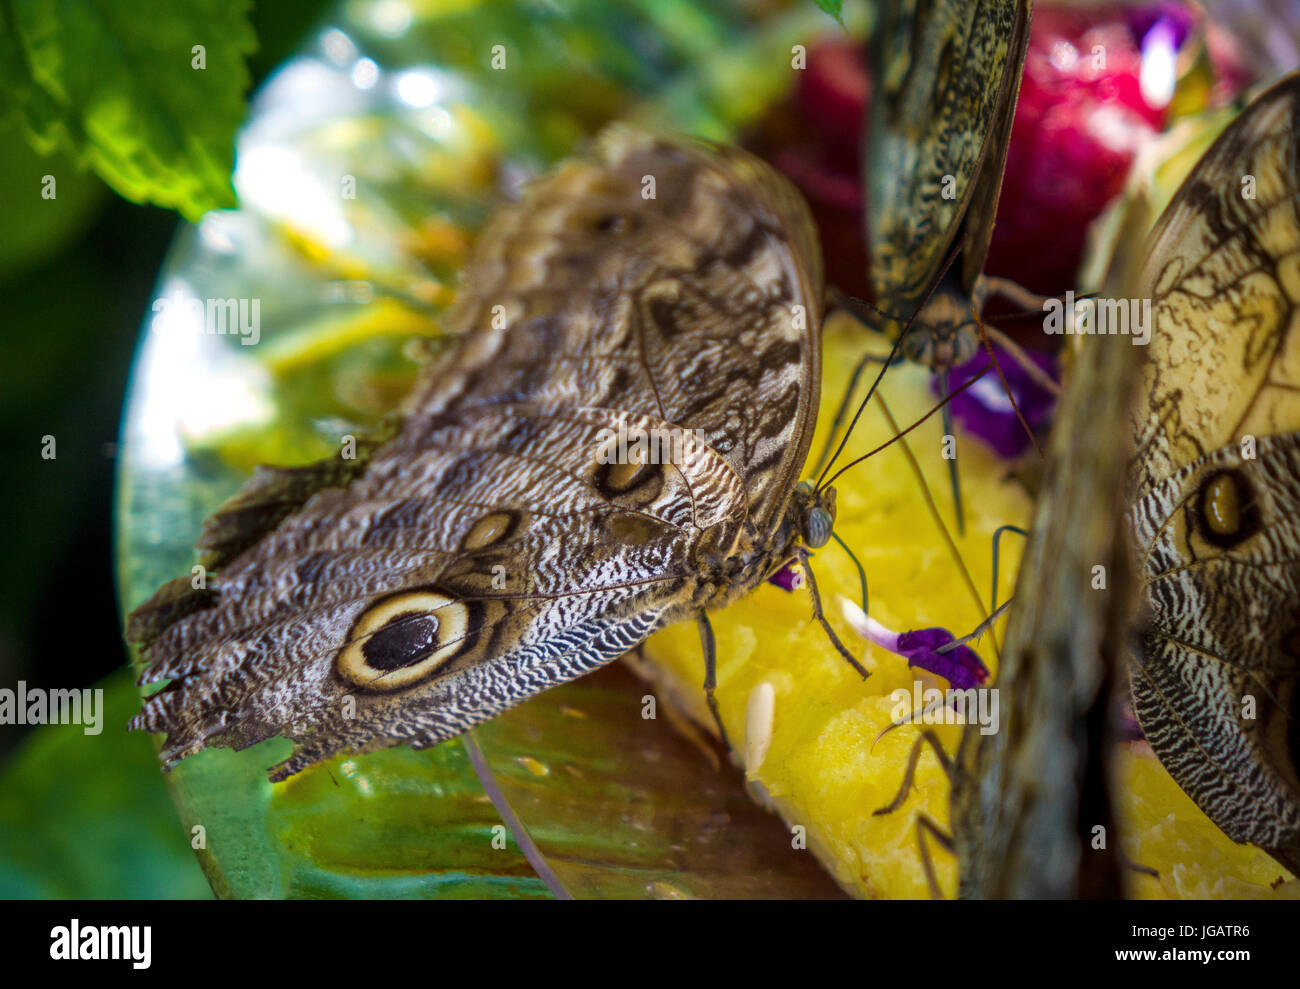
815	510
945	333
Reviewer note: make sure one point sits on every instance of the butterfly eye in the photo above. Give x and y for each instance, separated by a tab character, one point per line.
1227	510
818	528
403	639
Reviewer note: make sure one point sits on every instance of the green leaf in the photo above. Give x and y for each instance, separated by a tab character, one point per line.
86	816
833	7
36	228
119	89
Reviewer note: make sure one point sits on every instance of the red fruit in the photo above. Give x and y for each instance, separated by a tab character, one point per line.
1079	124
1078	127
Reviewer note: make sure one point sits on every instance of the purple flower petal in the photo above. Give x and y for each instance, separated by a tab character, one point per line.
1169	15
924	640
961	667
984	410
788	578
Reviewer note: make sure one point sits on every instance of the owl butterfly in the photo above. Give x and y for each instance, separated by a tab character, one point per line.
1214	485
1026	798
660	296
945	79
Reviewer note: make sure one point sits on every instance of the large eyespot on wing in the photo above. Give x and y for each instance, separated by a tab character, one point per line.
1226	512
404	639
701	306
1214	683
476	562
1214	678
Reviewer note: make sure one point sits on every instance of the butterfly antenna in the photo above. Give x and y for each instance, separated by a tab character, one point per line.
855	307
885	365
843	409
899	435
889	361
862	574
954	479
848	304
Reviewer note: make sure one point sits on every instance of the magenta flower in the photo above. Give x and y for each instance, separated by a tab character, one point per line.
961	667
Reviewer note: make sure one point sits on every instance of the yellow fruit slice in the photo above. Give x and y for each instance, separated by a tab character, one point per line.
803	723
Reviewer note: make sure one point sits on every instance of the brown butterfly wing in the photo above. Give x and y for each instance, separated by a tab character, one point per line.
1218	657
1224	280
490	549
946	75
1215	677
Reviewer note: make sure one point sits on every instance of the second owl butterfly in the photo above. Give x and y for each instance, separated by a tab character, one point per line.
1215	481
945	77
612	446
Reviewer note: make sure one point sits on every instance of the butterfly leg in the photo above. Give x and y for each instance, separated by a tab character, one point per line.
926	737
820	616
710	646
862	574
1006	388
1145	870
953	477
997	538
1036	373
945	840
995	609
988	286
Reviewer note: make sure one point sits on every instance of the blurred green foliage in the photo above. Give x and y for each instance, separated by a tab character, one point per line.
149	99
80	816
87	816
